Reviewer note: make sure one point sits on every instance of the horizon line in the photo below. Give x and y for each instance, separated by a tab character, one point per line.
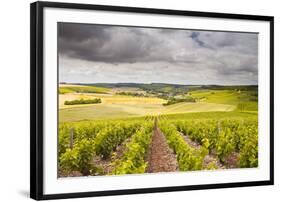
84	83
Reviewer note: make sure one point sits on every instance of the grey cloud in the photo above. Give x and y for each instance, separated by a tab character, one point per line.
103	43
116	54
118	44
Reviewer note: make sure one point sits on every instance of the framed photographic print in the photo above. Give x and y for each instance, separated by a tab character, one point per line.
131	100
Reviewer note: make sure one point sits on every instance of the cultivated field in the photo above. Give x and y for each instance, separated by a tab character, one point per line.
122	106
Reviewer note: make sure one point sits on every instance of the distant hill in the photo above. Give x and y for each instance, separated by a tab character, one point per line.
166	87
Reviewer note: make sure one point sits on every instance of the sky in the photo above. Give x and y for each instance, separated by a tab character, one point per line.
117	54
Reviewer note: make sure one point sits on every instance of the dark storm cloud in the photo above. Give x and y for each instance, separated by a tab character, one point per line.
163	55
104	43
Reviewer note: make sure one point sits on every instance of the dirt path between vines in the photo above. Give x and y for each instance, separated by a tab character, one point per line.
161	157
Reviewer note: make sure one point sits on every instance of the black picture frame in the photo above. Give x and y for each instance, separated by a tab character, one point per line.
36	99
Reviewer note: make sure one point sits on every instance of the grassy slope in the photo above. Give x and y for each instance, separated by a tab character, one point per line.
193	116
217	96
110	111
211	115
197	107
92	113
241	100
81	89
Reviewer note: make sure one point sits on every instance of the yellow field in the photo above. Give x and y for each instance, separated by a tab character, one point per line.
118	106
107	99
197	107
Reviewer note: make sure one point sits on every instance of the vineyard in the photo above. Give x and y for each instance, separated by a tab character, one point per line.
133	100
161	143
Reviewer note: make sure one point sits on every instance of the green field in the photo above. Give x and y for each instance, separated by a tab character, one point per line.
81	89
211	115
231	97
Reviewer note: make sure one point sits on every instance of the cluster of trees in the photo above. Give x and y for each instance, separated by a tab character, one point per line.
178	100
83	101
135	94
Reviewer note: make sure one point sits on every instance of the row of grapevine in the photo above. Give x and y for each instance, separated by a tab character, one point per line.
90	139
79	158
113	135
134	159
81	130
225	137
188	158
